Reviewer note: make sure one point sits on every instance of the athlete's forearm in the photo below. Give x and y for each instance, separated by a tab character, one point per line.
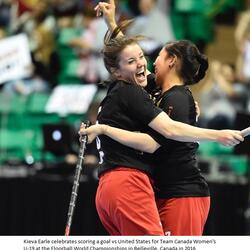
136	140
187	133
108	11
111	24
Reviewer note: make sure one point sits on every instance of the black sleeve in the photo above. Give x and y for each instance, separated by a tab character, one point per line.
179	106
137	103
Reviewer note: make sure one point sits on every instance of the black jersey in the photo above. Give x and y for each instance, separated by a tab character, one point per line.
128	107
176	171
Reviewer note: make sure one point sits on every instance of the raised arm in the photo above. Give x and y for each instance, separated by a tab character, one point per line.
136	140
107	10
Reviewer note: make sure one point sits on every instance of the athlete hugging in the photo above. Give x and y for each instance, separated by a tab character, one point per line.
149	181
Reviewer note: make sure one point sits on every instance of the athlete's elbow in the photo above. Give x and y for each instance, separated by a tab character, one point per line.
170	133
174	130
151	148
165	126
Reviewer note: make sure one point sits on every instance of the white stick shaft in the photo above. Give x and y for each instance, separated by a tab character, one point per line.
245	132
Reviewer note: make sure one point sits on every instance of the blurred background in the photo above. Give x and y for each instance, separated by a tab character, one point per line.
50	74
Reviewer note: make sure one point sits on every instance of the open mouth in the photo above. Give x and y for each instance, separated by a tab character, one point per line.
141	75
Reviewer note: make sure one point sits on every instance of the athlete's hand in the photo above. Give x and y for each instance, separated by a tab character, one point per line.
92	132
230	137
108	12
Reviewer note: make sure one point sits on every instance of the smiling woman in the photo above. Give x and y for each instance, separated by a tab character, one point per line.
133	65
125	173
122	168
124	58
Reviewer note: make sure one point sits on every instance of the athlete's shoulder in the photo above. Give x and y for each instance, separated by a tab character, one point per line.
130	89
118	88
175	96
121	85
178	91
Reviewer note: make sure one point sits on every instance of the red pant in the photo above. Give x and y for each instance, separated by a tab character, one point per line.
125	203
183	216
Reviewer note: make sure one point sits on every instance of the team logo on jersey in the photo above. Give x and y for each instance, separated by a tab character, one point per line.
169	111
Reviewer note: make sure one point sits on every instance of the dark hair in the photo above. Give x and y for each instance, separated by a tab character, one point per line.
114	45
193	64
